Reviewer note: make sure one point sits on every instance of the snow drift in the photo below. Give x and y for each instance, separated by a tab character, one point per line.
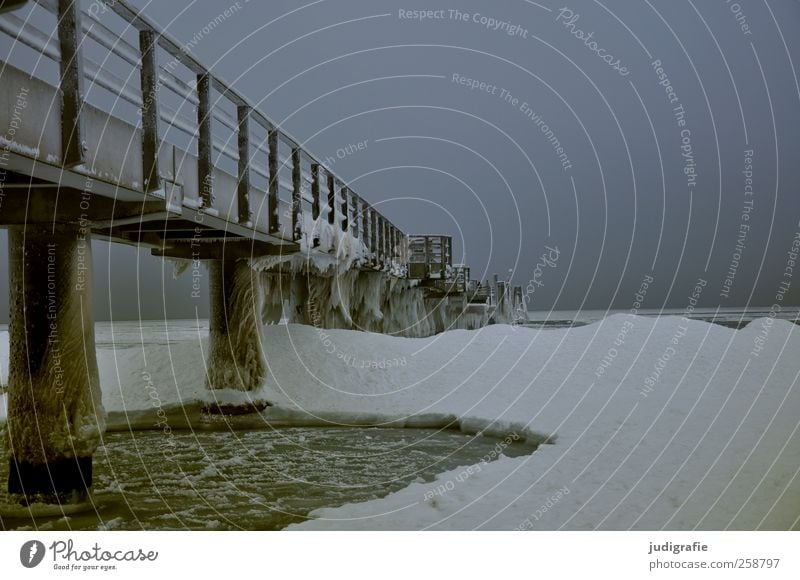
654	423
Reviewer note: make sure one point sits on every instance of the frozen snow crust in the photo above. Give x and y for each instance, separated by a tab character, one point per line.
654	423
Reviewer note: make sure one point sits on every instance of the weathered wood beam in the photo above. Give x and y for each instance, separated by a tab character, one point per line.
149	84
331	198
355	204
345	209
243	186
373	242
274	183
315	191
205	167
365	224
71	83
297	198
381	239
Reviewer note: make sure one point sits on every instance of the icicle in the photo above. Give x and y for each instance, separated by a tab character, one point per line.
179	266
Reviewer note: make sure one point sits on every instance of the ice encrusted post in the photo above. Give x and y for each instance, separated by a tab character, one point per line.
236	357
55	417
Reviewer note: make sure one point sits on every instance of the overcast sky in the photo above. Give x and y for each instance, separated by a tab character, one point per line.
654	106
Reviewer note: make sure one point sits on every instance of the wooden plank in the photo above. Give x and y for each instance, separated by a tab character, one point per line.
297	198
331	198
274	183
315	191
205	168
73	151
149	84
243	187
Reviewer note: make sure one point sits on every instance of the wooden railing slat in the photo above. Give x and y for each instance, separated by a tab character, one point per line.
149	83
205	167
243	141
71	85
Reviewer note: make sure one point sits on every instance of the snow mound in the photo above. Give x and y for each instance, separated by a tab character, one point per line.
654	422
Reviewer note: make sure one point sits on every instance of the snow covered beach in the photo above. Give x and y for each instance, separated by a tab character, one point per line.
654	422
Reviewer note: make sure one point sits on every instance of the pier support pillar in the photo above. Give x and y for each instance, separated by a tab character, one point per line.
236	357
55	416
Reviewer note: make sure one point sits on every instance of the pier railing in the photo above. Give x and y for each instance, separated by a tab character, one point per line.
203	144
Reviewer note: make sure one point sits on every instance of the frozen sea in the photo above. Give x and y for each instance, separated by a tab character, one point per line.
264	479
731	317
132	333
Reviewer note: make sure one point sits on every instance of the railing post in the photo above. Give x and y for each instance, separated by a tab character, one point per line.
373	244
205	168
400	257
365	224
315	191
381	240
274	183
354	205
243	138
296	193
331	198
71	86
444	257
449	261
387	242
428	256
149	84
345	209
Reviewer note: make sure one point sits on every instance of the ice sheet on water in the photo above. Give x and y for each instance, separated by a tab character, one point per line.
262	479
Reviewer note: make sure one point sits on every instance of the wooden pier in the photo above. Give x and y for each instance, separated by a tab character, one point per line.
115	132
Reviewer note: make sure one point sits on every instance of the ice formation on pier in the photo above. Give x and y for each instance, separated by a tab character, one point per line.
333	282
236	357
325	286
54	408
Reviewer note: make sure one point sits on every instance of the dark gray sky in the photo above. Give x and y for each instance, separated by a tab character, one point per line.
443	158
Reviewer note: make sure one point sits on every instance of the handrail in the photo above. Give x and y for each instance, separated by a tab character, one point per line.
143	23
331	197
